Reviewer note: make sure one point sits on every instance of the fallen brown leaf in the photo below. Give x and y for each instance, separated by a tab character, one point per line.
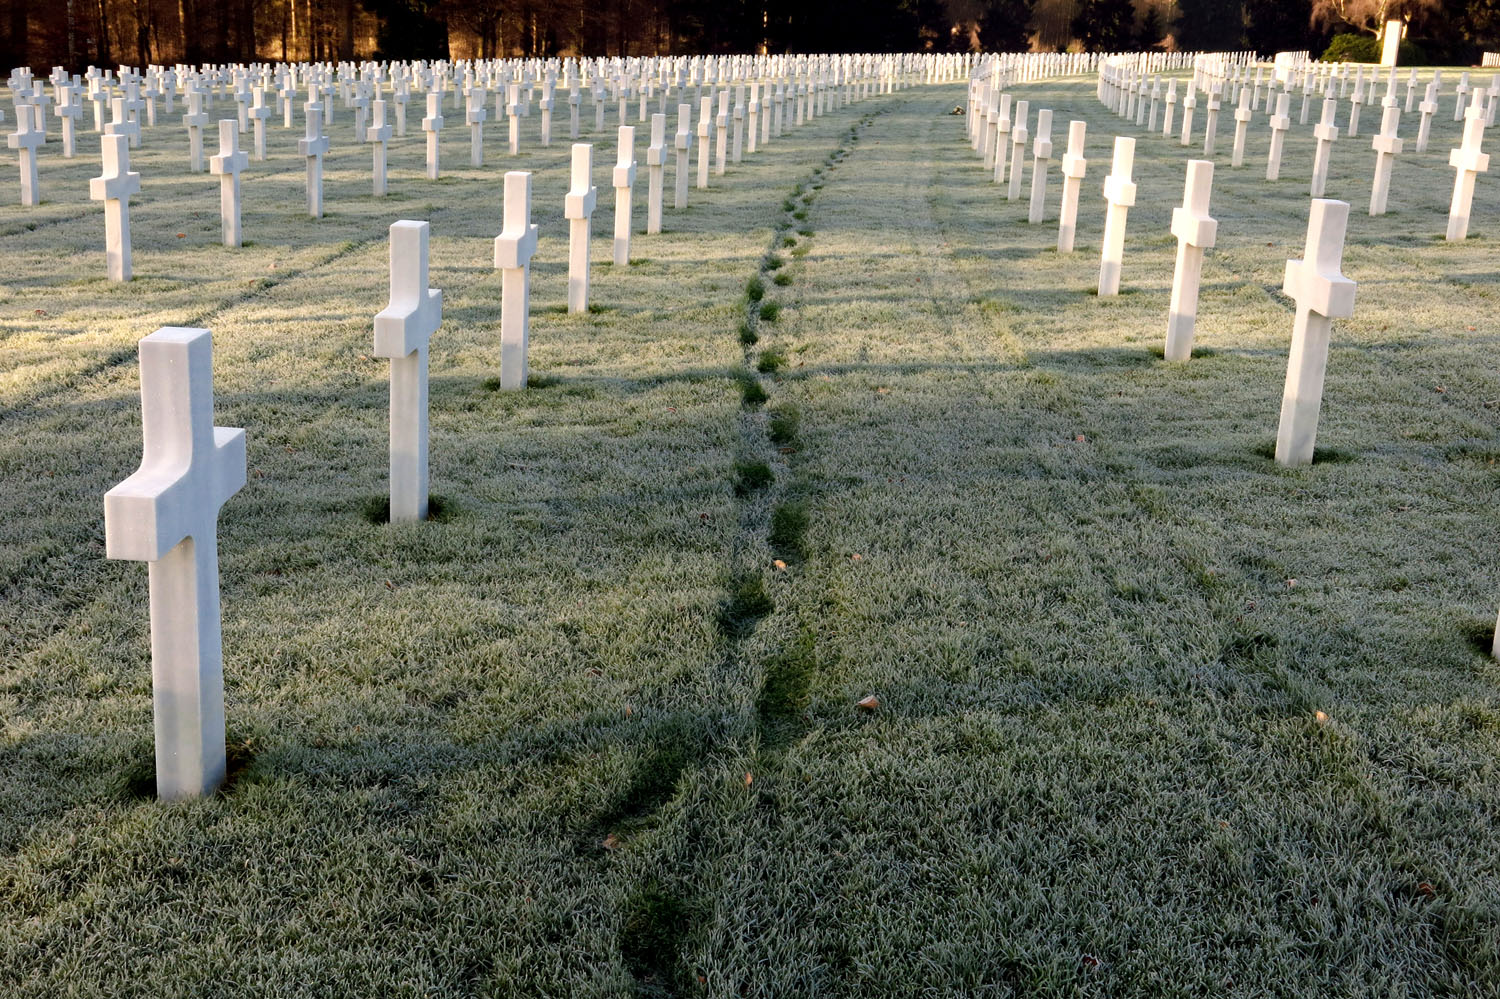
869	703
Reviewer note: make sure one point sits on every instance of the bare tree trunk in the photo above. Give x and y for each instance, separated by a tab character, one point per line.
346	35
105	57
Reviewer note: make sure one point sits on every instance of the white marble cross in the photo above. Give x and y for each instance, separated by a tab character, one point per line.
721	133
1462	90
166	515
737	147
1470	161
1155	103
1119	193
546	104
195	119
1428	108
378	134
402	331
1326	133
1280	123
656	168
1041	156
1166	125
1355	103
476	116
1189	103
25	140
1195	232
578	209
1018	136
259	111
1073	169
514	248
624	184
312	147
114	187
1211	121
1242	116
683	144
402	98
1001	139
121	124
433	126
1322	295
227	166
754	118
1387	147
69	109
705	133
574	100
514	108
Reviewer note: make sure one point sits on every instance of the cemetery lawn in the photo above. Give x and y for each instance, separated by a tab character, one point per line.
1155	716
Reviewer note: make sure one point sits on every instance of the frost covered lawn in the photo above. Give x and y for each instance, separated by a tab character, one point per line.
1155	716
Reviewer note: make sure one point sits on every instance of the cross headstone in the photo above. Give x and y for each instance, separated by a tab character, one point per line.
114	187
513	110
721	133
166	515
402	98
1001	139
402	331
624	184
1462	90
476	116
753	112
683	144
546	106
513	251
1018	136
433	126
1119	192
574	100
259	111
656	166
1428	108
1211	121
1469	161
1322	295
1281	122
1387	147
578	209
121	123
1166	125
1073	169
378	134
1355	103
705	132
1242	116
25	140
312	147
1195	232
227	167
1326	132
1155	103
69	109
1041	156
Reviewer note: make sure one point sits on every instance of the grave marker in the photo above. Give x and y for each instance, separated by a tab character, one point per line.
1242	116
1073	169
514	248
578	209
227	166
25	141
1195	232
1280	123
1428	108
166	515
433	126
403	330
1119	192
624	184
1326	133
1387	147
1469	162
1018	136
1322	295
705	130
1041	156
656	166
475	116
312	146
683	144
114	187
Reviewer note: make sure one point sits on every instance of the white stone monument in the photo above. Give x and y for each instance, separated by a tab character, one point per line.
683	145
1322	295
402	332
1018	136
433	126
227	166
114	187
25	140
1281	122
578	209
1073	169
1326	132
1041	156
1195	232
195	119
312	147
476	116
705	132
1469	161
1387	147
656	168
166	515
377	135
1119	193
514	248
624	184
258	113
1242	116
1428	108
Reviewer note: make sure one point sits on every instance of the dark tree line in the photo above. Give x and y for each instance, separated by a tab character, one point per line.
75	33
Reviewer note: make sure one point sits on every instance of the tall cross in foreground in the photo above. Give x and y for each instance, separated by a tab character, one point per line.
166	515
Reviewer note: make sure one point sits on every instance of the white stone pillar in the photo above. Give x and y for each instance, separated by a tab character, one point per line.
377	135
433	126
1073	169
1280	123
227	167
1326	132
1018	136
578	209
114	187
1387	147
1041	156
683	144
25	140
656	166
1119	193
624	184
1242	116
1469	161
312	147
